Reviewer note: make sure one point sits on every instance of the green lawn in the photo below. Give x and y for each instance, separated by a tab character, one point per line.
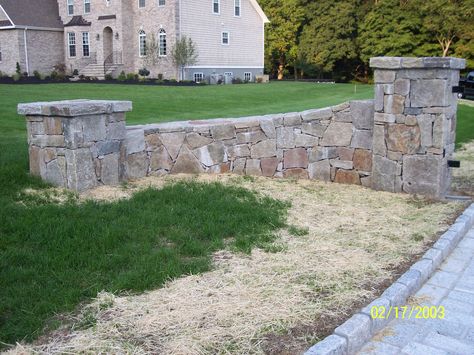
54	257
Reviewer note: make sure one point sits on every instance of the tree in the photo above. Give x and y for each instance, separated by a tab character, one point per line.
184	54
281	45
152	56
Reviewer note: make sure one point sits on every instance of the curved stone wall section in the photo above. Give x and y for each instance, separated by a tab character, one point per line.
330	144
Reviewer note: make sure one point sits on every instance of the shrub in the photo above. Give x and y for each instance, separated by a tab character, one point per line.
172	81
259	80
219	82
16	77
108	77
18	69
144	72
82	77
37	75
25	74
75	72
122	76
160	76
132	77
54	75
236	81
60	68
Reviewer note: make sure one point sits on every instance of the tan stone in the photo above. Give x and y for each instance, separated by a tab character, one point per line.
297	173
153	141
187	163
345	153
363	160
404	139
295	158
269	166
160	159
252	167
195	140
35	161
338	134
53	125
347	177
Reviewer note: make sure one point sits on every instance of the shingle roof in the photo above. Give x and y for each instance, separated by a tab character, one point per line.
5	23
36	13
77	21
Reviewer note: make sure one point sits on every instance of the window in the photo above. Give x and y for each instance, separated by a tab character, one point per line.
87	6
141	3
237	8
72	44
142	43
161	2
107	3
225	38
248	76
229	74
70	7
162	43
198	77
85	44
216	6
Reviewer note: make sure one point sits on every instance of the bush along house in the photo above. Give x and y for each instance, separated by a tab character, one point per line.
105	37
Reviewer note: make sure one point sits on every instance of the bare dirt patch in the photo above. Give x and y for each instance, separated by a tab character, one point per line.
279	302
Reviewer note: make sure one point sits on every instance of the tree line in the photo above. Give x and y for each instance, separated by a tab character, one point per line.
336	38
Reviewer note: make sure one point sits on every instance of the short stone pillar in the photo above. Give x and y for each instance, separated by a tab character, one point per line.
77	144
415	124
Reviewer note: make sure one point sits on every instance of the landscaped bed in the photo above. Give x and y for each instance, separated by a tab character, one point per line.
342	246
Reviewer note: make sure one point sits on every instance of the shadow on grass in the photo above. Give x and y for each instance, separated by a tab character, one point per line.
53	257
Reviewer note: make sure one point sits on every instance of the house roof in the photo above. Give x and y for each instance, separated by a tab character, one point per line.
259	11
32	13
77	21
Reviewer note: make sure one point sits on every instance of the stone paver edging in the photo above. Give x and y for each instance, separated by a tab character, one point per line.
349	337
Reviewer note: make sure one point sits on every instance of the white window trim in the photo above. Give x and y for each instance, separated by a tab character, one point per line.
228	73
218	6
250	75
198	73
140	34
240	8
159	44
90	6
228	38
68	4
88	44
69	44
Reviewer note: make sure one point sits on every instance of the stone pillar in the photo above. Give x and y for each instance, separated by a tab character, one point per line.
415	124
77	144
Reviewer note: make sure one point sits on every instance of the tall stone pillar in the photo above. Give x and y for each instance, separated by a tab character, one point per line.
415	124
77	144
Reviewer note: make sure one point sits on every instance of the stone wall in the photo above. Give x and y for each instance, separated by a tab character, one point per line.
330	144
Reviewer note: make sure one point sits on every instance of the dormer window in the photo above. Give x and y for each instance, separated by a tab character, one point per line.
216	6
87	6
141	3
70	7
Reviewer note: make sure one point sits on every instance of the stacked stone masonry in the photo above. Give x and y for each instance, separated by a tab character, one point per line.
402	141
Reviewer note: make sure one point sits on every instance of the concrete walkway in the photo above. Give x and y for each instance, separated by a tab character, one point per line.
452	287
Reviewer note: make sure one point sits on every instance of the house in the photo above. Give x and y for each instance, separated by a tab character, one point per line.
31	34
101	37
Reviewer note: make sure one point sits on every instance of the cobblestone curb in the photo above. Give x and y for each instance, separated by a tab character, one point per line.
349	337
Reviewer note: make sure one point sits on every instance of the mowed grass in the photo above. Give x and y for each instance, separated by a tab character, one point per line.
53	257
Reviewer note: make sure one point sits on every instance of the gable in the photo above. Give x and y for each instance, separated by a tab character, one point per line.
259	10
4	20
33	13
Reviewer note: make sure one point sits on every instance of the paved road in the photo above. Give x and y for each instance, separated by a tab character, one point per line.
452	287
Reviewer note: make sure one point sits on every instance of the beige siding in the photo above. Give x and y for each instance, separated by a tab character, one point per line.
205	28
9	43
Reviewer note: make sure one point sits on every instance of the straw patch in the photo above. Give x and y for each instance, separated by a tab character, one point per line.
463	178
345	242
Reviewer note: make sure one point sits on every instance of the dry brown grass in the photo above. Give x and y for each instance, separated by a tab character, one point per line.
274	302
463	178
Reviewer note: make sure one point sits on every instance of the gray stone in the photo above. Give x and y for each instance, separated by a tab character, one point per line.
386	62
116	130
435	255
35	128
450	344
394	104
136	165
313	128
250	137
429	93
363	114
269	166
403	138
70	108
160	159
320	170
305	140
110	169
195	140
292	119
384	76
343	116
424	267
397	294
441	129
173	142
73	133
385	117
338	134
80	170
48	141
362	139
252	167
211	154
341	107
345	153
377	323
238	166
342	164
221	132
414	348
357	330
413	111
402	87
376	347
412	280
238	150
246	122
285	137
366	181
135	141
108	147
93	128
319	114
295	158
331	345
397	156
443	279
268	128
379	98
321	153
379	145
384	174
426	127
263	149
186	163
422	174
54	174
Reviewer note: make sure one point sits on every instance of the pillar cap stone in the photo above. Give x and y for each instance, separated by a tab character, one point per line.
73	108
417	63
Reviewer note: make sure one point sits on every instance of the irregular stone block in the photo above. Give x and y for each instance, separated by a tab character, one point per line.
357	330
94	128
238	151
223	132
362	139
135	141
292	119
394	104
220	169
379	97
35	128
263	149
366	181
441	132
342	164
414	111
423	174
250	137
80	169
252	167
195	140
285	137
160	159
295	158
404	139
394	155
35	161
238	166
211	154
268	128
343	116
305	140
296	173
152	141
320	170
269	166
73	136
173	142
402	87
186	163
363	114
341	107
384	76
246	122
313	128
379	145
411	120
386	62
338	134
48	141
429	93
362	160
388	89
319	114
54	174
53	125
385	117
110	170
331	345
426	129
321	153
107	147
345	153
136	165
347	177
384	174
116	130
